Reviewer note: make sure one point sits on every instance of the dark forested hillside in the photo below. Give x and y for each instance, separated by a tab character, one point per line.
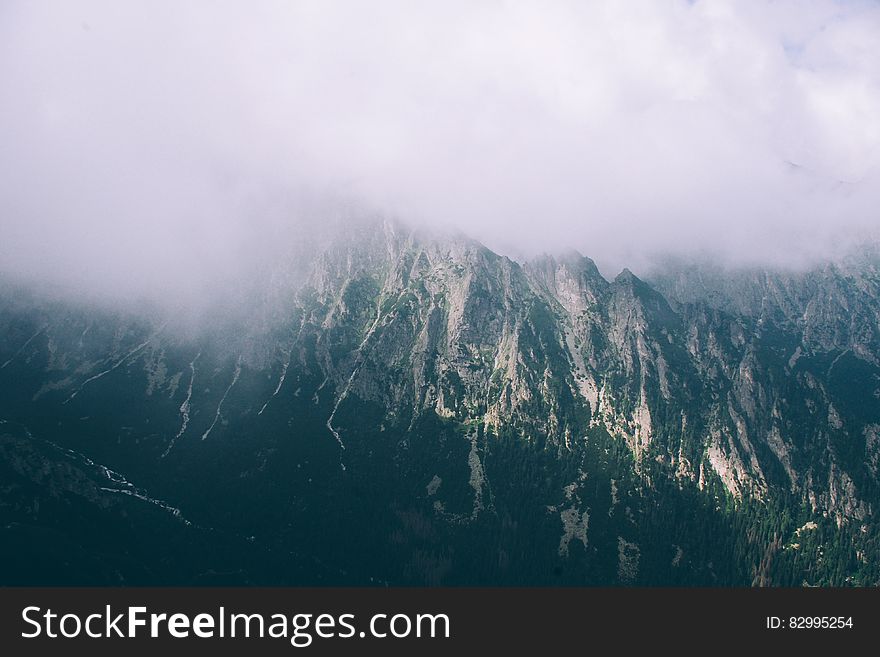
421	410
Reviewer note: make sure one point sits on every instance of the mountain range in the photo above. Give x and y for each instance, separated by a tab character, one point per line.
414	409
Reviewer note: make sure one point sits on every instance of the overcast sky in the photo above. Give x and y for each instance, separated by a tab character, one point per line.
149	146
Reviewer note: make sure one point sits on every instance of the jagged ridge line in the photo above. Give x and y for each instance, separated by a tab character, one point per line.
359	359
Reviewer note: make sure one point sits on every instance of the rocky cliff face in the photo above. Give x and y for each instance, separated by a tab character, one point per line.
449	388
735	384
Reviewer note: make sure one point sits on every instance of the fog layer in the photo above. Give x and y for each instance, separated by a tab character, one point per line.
154	148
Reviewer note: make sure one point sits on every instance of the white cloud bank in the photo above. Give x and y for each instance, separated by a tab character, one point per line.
148	146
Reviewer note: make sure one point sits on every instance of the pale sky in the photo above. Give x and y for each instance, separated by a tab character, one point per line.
147	147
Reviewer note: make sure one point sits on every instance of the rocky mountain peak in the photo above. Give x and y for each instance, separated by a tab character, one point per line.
408	351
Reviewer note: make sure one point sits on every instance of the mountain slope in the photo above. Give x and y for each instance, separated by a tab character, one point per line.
421	410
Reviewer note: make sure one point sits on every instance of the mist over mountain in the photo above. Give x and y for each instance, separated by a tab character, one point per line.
464	417
498	293
151	150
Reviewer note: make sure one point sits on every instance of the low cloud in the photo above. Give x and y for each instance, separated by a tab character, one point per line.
154	148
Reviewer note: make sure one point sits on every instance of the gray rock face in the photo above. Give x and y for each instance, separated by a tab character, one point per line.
755	385
731	378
